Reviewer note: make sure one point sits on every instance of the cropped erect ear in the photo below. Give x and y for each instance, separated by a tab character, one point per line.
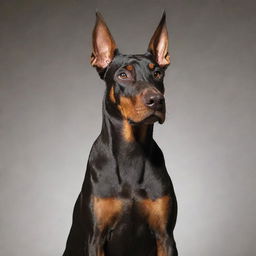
158	44
103	44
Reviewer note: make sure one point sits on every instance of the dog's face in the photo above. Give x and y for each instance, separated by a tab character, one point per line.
134	82
136	88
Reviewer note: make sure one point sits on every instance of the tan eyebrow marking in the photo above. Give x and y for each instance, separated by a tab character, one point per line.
151	65
129	67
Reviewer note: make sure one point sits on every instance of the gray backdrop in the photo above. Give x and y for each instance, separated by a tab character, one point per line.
50	110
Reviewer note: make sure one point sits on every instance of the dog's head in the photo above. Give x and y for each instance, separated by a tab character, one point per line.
134	82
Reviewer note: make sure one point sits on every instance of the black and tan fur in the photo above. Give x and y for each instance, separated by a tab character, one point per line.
127	205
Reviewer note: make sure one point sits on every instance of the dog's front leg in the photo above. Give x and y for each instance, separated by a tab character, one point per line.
106	211
165	244
158	214
96	243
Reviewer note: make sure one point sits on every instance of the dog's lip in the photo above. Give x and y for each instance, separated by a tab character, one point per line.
160	115
153	117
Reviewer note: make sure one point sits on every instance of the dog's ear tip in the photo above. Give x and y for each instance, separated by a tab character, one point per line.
163	19
158	45
98	15
103	43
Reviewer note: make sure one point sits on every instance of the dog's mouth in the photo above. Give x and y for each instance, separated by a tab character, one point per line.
157	116
154	116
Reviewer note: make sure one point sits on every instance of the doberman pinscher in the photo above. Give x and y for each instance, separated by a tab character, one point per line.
127	205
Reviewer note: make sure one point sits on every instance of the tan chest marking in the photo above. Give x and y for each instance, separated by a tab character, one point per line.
156	212
106	210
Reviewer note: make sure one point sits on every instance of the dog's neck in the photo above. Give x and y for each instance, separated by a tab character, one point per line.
122	136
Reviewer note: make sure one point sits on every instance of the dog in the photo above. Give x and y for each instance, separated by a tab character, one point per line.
127	205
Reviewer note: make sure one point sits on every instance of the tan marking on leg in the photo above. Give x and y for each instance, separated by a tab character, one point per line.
112	95
156	212
106	210
161	250
100	251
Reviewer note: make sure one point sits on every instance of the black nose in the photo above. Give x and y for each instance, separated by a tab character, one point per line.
154	100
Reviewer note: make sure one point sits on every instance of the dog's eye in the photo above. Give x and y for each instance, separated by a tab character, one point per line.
157	74
123	75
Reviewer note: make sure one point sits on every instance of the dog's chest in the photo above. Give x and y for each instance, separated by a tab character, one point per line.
111	211
131	183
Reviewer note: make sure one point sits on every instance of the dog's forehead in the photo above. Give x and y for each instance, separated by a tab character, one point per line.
139	60
141	63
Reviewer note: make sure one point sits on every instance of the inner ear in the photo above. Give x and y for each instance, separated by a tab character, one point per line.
158	45
103	44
